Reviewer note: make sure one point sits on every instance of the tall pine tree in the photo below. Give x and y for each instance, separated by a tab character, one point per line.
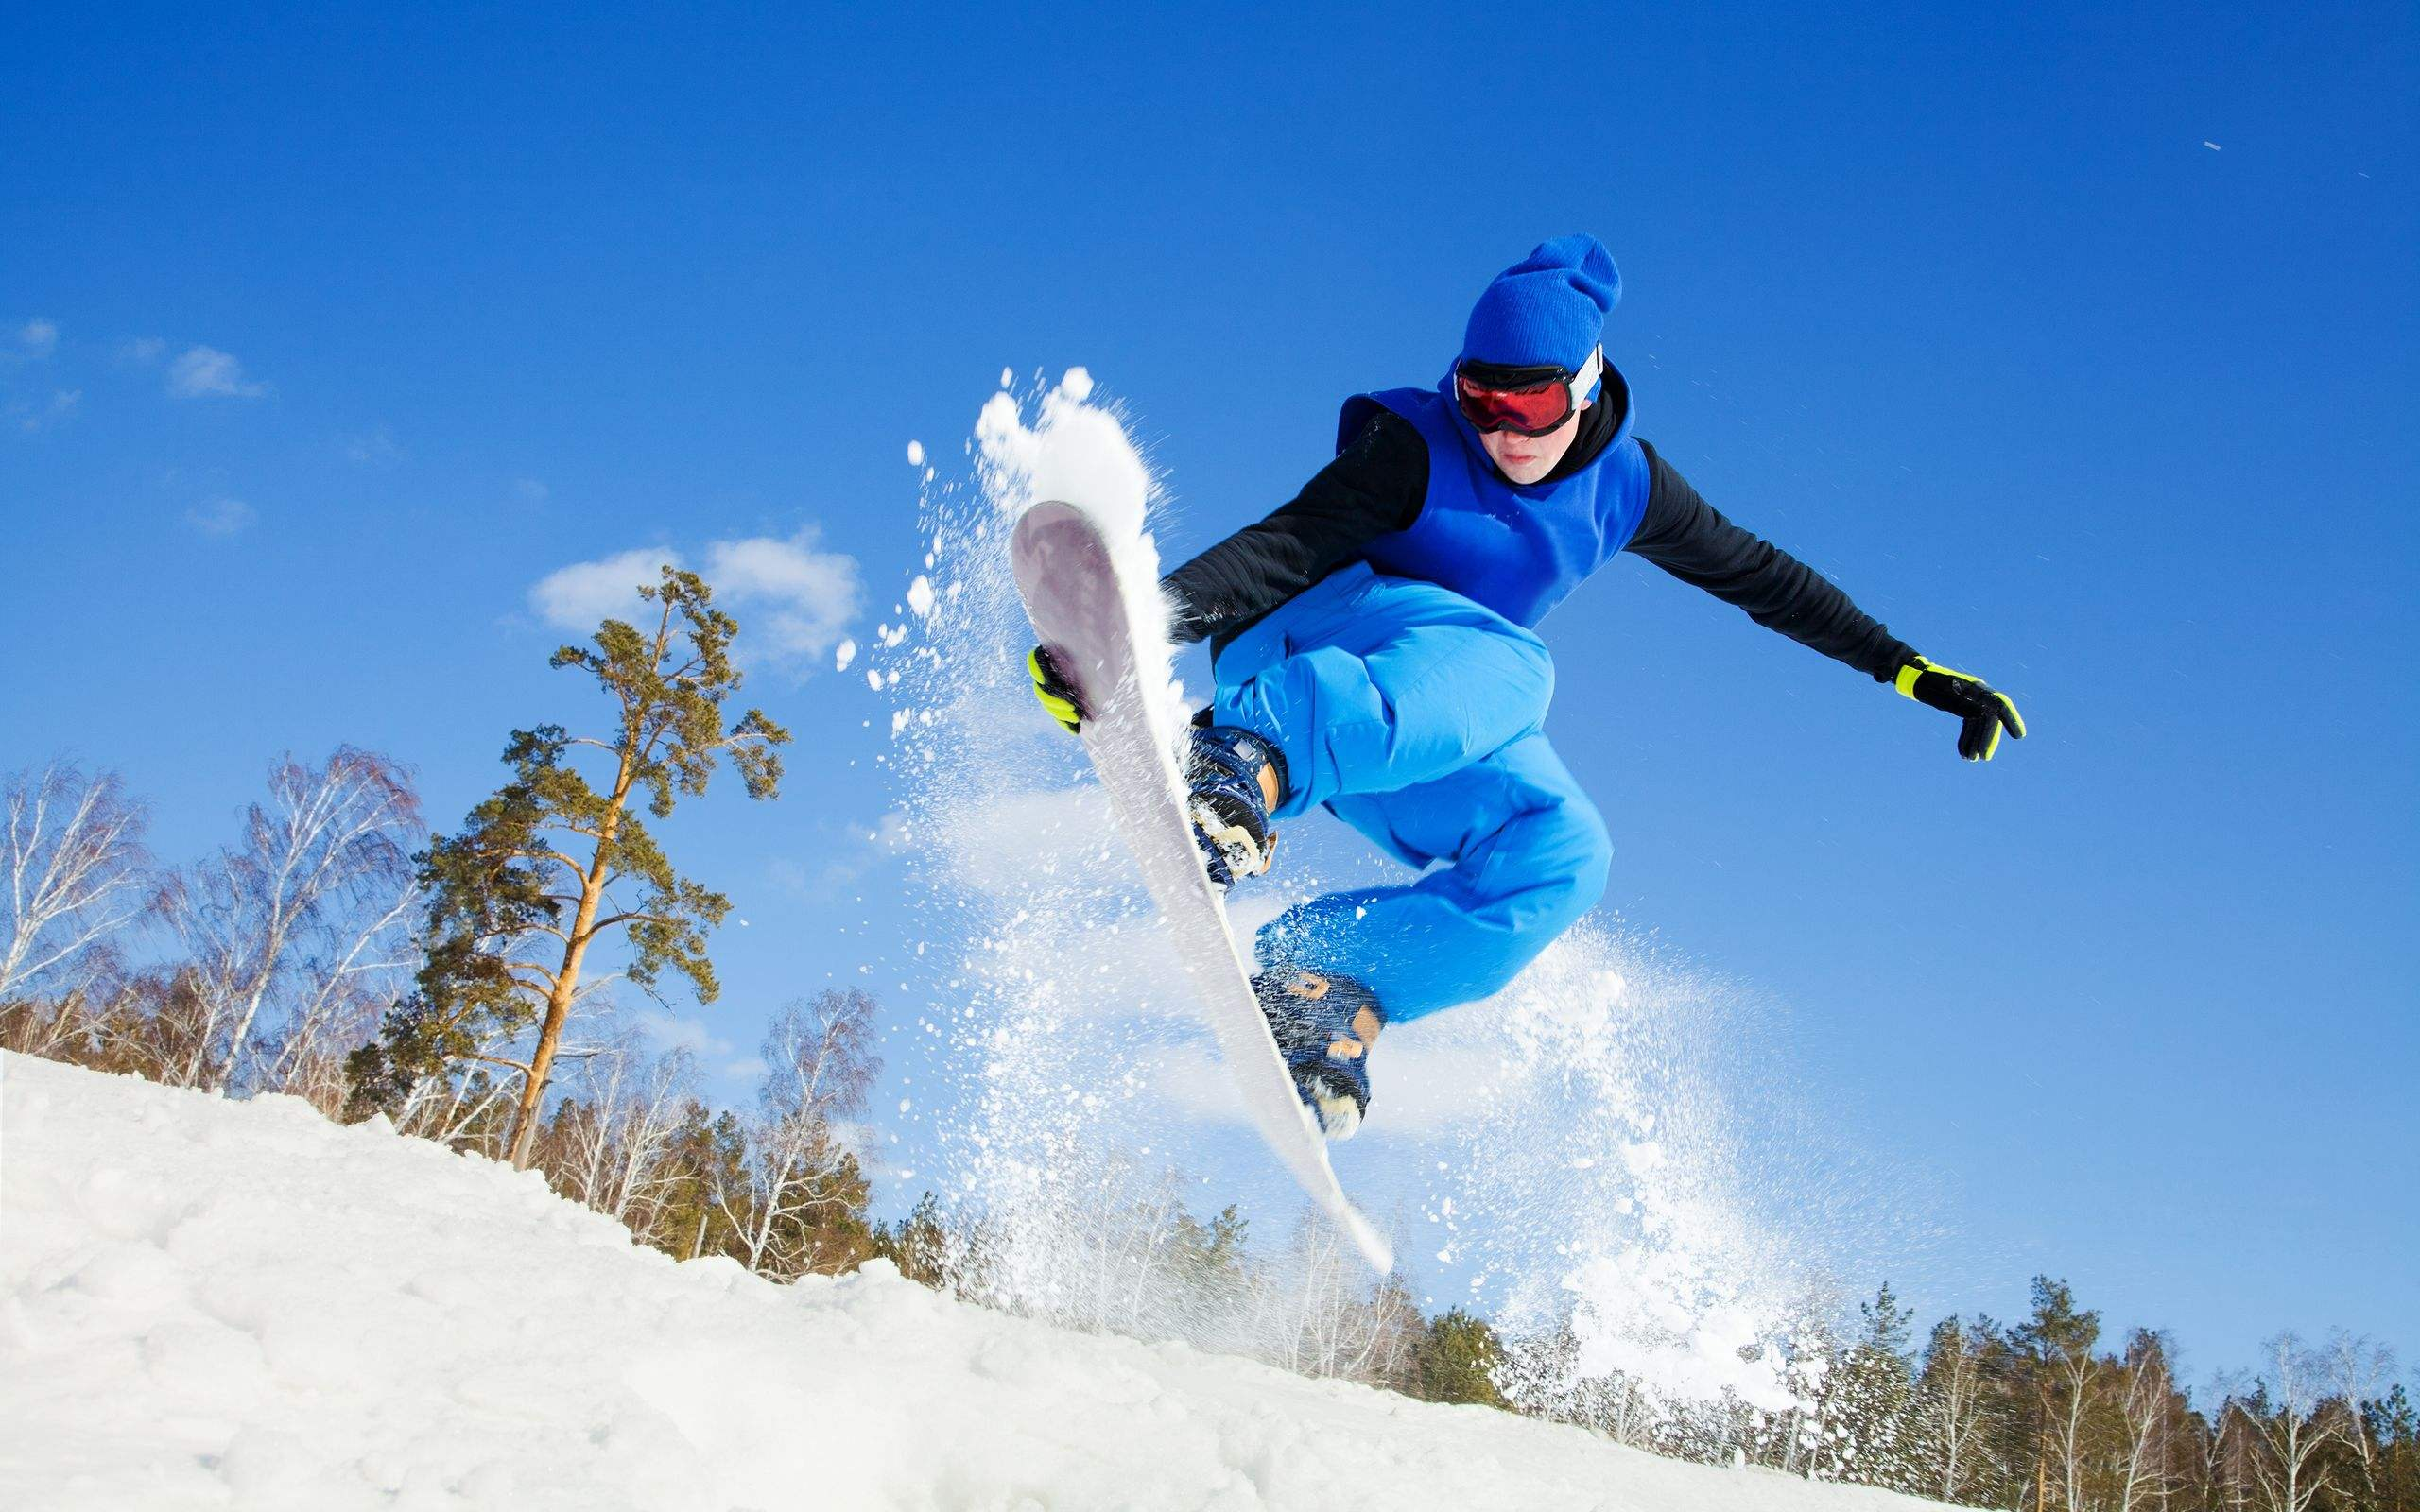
545	870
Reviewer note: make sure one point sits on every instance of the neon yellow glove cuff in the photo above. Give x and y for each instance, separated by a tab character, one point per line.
1057	707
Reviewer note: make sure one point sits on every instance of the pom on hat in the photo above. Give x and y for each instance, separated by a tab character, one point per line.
1547	309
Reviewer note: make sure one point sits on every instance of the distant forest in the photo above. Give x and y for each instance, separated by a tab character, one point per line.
338	950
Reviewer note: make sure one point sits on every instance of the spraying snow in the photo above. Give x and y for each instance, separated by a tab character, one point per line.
1079	452
205	1304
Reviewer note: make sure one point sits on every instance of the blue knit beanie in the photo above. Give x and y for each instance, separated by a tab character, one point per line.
1547	309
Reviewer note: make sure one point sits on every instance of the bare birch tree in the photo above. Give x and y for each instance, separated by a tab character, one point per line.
615	1139
457	1111
1952	1399
2288	1432
76	872
1329	1319
277	914
820	1061
2145	1467
343	994
2357	1370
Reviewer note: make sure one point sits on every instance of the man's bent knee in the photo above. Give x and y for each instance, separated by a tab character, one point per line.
1570	857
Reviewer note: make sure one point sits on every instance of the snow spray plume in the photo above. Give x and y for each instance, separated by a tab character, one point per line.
1049	965
1599	1123
1568	1142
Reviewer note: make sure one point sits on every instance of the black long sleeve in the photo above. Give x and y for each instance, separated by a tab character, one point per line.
1374	487
1689	538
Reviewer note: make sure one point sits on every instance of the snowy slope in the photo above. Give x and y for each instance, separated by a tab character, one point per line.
210	1304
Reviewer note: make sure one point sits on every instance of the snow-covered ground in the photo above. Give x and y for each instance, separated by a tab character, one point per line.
216	1304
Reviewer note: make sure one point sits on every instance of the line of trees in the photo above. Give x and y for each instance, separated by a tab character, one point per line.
1126	1255
2038	1416
338	952
252	971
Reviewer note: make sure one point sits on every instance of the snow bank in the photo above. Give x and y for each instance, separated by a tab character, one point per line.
206	1303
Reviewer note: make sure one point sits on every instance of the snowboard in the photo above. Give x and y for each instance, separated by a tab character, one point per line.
1067	573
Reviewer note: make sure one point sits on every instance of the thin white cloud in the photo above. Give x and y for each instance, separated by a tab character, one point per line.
376	448
792	601
40	418
579	596
529	491
220	516
142	350
889	833
206	372
839	867
670	1031
804	598
38	338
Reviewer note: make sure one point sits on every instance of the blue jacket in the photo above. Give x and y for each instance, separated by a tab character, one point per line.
1519	550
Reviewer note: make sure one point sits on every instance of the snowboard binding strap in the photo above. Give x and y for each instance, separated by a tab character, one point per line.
1235	778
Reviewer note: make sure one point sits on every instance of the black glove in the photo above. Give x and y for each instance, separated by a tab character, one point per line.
1058	695
1985	710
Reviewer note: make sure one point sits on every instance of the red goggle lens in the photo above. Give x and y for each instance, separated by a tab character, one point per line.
1533	410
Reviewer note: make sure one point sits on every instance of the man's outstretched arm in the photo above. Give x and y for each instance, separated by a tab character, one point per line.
1689	538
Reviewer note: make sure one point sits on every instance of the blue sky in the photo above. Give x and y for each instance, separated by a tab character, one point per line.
2077	343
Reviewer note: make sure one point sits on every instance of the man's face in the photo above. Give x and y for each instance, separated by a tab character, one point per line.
1525	459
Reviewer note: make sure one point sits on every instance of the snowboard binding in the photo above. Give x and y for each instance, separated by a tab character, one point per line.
1235	778
1324	1026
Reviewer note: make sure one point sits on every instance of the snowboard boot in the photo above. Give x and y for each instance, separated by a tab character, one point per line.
1324	1026
1235	778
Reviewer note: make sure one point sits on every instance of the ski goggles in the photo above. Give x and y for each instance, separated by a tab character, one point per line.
1525	401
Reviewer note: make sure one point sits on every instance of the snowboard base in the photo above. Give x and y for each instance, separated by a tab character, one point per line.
1067	573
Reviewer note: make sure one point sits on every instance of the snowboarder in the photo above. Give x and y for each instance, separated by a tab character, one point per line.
1375	651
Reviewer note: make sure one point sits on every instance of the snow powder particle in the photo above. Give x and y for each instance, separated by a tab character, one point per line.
873	680
2214	146
915	454
1006	377
1076	384
920	595
844	655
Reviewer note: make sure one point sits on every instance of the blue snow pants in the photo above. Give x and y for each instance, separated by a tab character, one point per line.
1414	714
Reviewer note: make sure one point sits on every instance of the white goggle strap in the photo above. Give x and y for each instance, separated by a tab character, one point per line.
1585	378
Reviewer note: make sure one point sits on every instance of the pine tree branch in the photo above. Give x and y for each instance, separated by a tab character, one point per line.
611	920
